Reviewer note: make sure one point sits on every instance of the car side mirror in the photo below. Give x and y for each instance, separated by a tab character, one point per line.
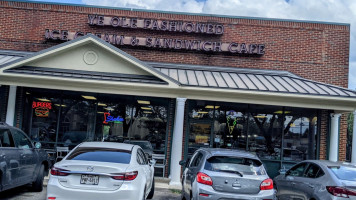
38	145
182	162
152	162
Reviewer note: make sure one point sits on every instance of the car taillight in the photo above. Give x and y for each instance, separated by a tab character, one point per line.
204	179
58	172
340	191
267	184
128	176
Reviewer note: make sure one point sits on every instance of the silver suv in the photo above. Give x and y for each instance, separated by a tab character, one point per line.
225	174
21	162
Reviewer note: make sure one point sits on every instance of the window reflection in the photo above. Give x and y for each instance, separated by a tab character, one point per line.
149	124
264	131
77	121
300	129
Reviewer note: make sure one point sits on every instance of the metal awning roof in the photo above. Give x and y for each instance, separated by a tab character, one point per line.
221	77
248	79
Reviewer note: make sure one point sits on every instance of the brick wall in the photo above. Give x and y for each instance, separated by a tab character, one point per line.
317	51
324	130
171	112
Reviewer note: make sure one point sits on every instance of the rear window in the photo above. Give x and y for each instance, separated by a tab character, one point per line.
344	172
101	155
245	166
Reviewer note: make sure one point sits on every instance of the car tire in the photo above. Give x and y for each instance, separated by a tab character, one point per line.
144	194
152	192
37	185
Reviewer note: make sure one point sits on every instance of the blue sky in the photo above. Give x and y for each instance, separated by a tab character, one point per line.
343	11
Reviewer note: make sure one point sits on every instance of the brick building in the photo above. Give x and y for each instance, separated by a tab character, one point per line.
181	81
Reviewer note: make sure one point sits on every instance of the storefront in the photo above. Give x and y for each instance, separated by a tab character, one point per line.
177	80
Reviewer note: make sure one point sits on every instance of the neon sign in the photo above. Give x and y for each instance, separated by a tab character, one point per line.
231	128
108	118
42	108
42	104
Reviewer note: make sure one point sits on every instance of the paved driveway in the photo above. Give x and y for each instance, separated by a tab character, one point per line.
25	193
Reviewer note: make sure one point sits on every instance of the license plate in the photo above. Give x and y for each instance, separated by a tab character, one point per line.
89	179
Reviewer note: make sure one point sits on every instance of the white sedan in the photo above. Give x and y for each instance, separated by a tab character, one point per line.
102	170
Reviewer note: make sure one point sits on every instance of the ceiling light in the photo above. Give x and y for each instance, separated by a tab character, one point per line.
89	97
100	112
28	93
43	99
109	108
147	112
281	112
203	112
102	104
145	108
143	102
212	107
260	116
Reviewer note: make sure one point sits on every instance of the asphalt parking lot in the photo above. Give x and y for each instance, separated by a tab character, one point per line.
25	193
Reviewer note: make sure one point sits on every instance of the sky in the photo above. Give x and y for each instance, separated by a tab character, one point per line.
342	11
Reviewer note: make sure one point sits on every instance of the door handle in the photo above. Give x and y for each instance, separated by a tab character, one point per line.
310	185
293	184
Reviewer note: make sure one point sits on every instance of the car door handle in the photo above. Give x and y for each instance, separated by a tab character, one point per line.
293	184
310	185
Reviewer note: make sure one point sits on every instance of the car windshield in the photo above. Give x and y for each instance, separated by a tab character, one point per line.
344	172
142	144
101	155
237	165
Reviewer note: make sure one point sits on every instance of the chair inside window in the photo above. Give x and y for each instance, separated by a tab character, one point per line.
160	162
61	153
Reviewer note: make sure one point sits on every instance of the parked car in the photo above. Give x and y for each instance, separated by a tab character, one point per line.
145	145
102	170
225	174
317	180
21	161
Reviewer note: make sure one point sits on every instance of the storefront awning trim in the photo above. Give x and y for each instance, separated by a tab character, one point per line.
85	74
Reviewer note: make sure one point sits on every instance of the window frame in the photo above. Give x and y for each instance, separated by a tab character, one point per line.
11	139
297	166
17	131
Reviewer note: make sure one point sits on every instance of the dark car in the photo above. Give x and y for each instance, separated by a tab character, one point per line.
21	162
317	179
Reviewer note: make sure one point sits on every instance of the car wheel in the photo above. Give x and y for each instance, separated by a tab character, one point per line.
152	192
37	185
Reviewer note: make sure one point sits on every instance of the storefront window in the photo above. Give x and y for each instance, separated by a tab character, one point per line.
113	118
264	131
300	131
201	110
77	121
230	126
149	124
45	112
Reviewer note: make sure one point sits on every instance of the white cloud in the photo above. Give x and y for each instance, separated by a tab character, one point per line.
343	11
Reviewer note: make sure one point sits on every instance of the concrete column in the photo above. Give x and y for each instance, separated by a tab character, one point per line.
353	152
334	137
177	143
11	103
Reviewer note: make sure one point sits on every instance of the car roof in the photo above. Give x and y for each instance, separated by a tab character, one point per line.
328	163
115	145
230	152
